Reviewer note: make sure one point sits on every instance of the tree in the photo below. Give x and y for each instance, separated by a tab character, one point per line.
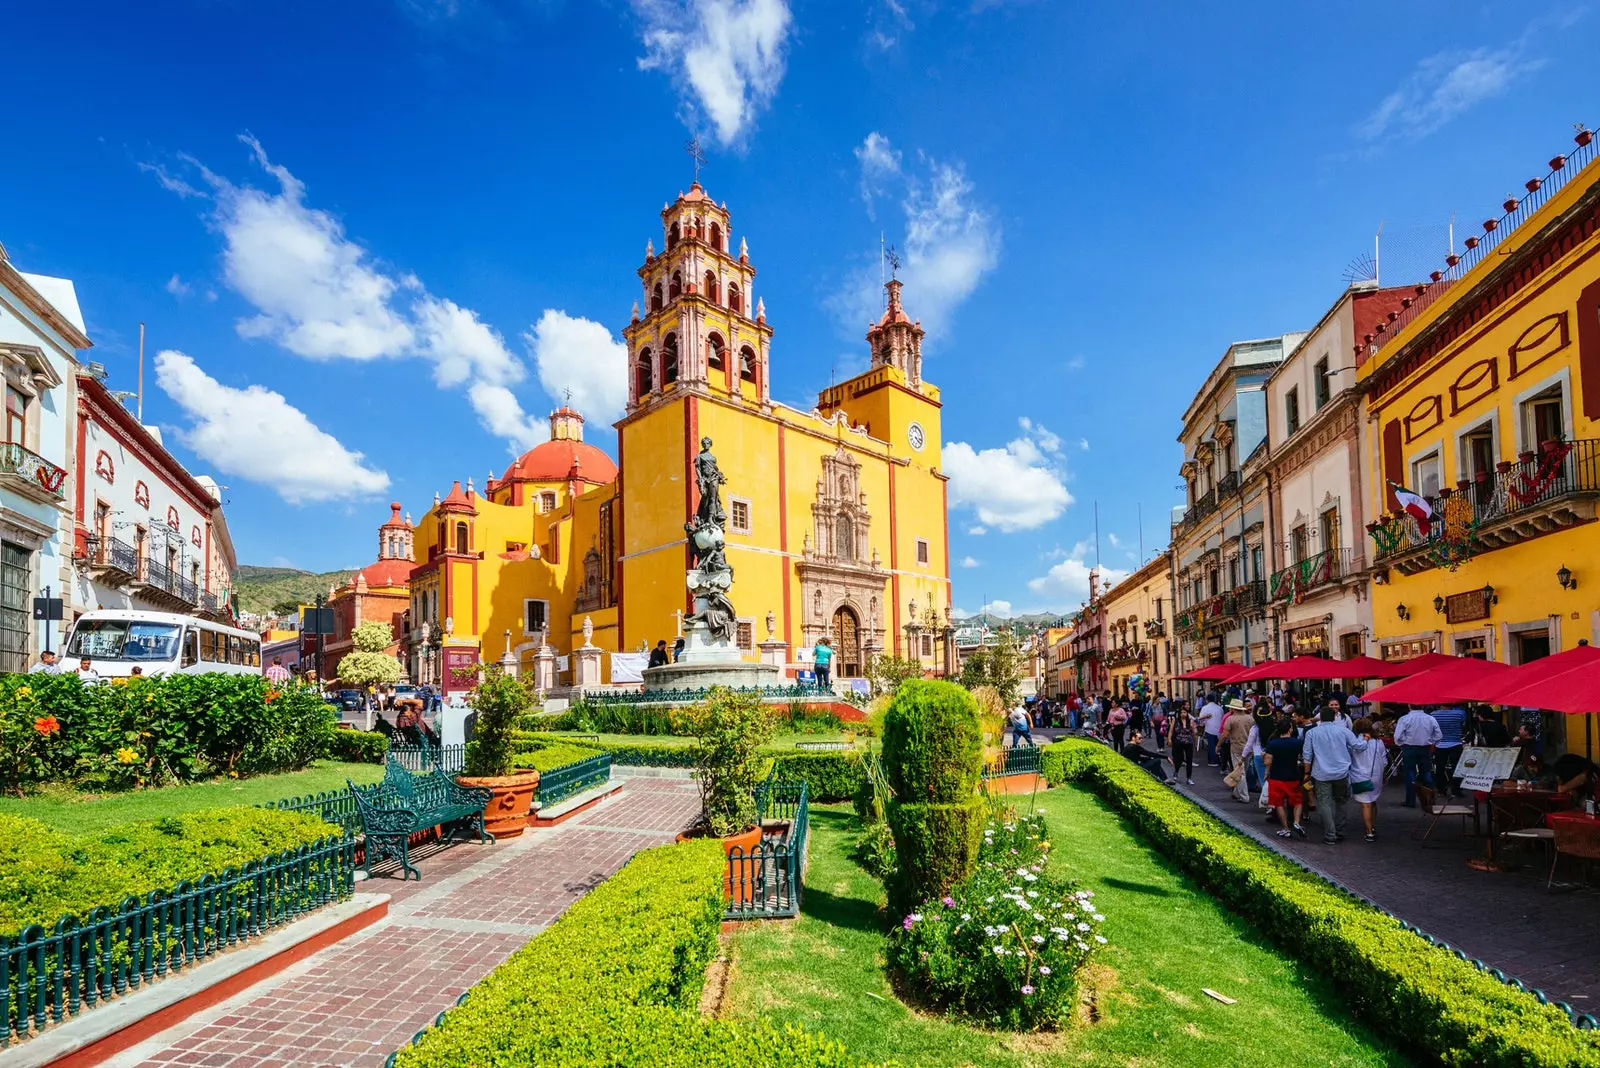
888	671
370	664
998	665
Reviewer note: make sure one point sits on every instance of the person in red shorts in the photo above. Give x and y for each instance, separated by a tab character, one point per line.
1284	794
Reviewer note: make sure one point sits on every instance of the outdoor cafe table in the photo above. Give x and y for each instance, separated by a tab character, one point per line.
1511	809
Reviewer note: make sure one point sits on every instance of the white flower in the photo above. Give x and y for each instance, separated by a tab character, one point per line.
1099	918
916	917
1083	927
1072	915
1101	939
1082	944
989	899
1033	893
1030	878
999	951
1044	969
967	916
1038	940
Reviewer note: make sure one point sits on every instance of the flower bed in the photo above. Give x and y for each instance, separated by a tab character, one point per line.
83	918
1423	997
616	980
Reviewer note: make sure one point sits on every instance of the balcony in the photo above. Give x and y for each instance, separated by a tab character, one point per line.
1134	653
110	561
1155	628
1540	494
1250	598
1228	483
1296	582
31	475
160	583
1203	506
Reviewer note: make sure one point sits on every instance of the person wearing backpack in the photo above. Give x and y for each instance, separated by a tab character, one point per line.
1118	721
1180	739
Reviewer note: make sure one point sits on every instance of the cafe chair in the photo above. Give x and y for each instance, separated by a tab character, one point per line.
1574	839
1441	810
1525	836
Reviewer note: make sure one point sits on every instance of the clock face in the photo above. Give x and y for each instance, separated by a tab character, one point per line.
914	434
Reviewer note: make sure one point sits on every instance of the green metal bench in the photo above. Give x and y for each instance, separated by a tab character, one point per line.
405	804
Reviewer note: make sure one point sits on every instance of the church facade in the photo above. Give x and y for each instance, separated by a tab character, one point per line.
836	516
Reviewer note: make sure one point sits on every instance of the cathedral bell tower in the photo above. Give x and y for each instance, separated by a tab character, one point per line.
697	330
897	341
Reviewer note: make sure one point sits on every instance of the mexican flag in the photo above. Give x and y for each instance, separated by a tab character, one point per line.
1416	506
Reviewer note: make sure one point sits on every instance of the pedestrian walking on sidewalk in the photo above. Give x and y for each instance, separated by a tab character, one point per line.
1281	756
1329	751
1366	776
1180	739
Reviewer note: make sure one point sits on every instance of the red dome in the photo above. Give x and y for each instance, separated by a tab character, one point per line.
552	462
387	573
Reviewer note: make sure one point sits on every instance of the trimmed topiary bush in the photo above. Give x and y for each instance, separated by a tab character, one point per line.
357	747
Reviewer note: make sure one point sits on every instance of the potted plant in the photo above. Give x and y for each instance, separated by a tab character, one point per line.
498	700
729	728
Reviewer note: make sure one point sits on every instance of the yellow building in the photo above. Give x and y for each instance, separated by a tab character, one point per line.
836	517
1483	396
1138	615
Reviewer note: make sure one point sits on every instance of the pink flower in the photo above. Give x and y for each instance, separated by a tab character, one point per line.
949	902
1027	989
907	923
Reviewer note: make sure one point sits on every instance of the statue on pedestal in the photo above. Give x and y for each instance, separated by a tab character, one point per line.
712	576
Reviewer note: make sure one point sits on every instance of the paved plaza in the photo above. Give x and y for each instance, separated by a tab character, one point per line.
354	1003
1509	920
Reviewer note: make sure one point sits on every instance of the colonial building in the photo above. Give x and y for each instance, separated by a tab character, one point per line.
41	329
379	592
1219	538
836	516
148	534
1482	397
1317	591
1138	628
1086	646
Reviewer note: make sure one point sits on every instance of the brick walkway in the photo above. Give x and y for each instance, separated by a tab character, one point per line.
1550	939
354	1003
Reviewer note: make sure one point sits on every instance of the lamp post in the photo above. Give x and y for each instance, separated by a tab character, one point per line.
912	629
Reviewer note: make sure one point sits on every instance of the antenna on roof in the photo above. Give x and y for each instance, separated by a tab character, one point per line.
893	259
140	412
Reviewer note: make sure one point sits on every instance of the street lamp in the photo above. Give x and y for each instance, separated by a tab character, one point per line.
1401	611
1564	576
1438	605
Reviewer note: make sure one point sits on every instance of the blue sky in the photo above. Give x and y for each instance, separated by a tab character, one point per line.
374	241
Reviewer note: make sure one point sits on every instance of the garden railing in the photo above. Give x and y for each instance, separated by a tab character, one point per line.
450	759
558	784
1023	760
46	976
333	806
766	883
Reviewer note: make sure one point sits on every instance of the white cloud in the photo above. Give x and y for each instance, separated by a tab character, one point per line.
321	295
1047	441
1448	84
977	531
998	608
177	287
949	243
170	183
1076	363
726	56
1116	542
1011	488
1066	584
967	561
580	355
1083	444
258	435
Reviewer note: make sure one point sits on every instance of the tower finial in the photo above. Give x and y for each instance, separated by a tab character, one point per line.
692	146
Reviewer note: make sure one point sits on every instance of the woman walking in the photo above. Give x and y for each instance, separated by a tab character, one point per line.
1366	776
1118	720
1180	739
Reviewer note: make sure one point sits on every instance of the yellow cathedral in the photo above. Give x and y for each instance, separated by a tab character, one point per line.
836	516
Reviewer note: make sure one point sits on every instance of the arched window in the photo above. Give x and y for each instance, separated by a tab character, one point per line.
747	364
735	302
672	236
461	538
715	358
675	290
716	237
844	539
711	286
643	382
669	359
655	299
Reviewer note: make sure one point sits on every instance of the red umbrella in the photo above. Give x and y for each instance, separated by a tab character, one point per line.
1427	662
1370	667
1313	669
1497	690
1214	673
1440	685
1570	686
1263	670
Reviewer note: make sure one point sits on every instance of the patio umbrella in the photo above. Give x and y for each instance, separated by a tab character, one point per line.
1440	685
1370	667
1214	673
1256	672
1313	669
1427	661
1573	688
1502	689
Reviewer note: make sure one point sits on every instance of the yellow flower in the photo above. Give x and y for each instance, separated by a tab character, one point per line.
126	755
24	691
119	682
233	774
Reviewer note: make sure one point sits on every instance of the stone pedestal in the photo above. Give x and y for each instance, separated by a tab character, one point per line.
544	669
708	662
586	667
775	653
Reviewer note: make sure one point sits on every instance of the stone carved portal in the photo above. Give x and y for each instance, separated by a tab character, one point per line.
843	592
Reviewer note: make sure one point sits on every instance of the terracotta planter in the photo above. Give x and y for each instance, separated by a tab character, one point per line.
506	814
745	842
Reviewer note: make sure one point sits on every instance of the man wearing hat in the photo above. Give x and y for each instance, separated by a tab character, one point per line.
1236	731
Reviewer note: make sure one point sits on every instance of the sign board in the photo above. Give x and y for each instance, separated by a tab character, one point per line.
1466	607
628	667
1480	767
316	621
460	670
861	686
806	677
48	609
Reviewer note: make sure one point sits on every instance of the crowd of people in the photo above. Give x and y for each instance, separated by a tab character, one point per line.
1297	752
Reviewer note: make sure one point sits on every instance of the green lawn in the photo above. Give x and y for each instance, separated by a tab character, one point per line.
70	810
1168	940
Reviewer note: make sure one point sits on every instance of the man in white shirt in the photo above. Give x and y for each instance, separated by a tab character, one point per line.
1210	718
1416	734
86	672
1328	748
47	665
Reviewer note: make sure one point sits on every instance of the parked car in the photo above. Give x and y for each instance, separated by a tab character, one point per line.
351	700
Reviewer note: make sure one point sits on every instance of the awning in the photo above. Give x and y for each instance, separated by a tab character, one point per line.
1450	682
1214	673
1566	682
1263	670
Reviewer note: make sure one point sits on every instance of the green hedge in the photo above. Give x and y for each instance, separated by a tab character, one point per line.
1422	997
158	730
835	775
550	757
46	873
616	981
358	747
932	743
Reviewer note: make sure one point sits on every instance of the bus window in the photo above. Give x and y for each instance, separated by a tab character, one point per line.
119	639
208	646
254	648
191	647
233	648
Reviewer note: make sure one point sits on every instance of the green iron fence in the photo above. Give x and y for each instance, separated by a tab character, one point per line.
334	806
1023	760
46	976
558	784
766	883
450	759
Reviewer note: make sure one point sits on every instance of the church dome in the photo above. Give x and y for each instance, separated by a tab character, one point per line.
553	462
394	572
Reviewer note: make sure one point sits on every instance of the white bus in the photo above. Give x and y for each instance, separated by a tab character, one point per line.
117	640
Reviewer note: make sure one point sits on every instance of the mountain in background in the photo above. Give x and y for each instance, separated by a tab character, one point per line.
1028	622
263	589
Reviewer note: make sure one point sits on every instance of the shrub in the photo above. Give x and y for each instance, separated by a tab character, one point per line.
1005	945
499	699
830	776
931	745
49	873
875	850
616	981
729	727
550	757
357	747
1440	1007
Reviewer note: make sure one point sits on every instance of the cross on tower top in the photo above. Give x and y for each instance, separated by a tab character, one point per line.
892	258
692	146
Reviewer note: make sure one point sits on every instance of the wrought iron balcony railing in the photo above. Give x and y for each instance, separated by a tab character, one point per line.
31	474
1294	582
111	557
